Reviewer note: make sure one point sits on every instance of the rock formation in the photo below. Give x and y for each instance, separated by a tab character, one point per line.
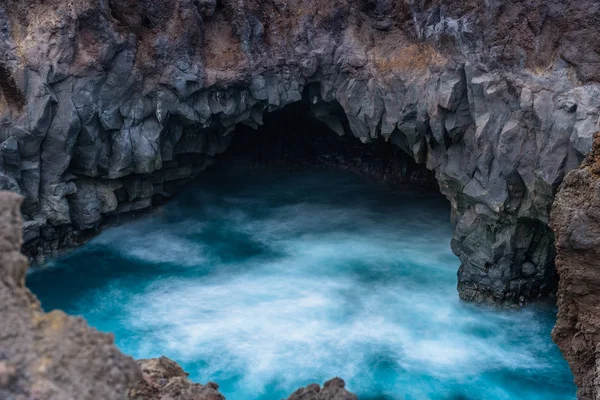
57	357
107	105
332	390
576	222
164	379
307	143
49	356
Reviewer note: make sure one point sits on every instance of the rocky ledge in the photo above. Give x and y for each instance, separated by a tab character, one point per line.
53	356
576	222
49	356
332	390
107	105
164	379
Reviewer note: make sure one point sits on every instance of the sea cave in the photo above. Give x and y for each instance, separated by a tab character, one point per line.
366	199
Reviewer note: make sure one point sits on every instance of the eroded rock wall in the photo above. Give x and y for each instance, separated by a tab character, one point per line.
576	221
294	137
108	104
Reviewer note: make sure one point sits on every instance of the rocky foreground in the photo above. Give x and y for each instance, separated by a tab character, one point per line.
576	222
53	356
165	380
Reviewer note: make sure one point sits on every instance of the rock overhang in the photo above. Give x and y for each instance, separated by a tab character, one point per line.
122	100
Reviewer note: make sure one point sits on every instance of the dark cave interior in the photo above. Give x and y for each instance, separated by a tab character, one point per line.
294	137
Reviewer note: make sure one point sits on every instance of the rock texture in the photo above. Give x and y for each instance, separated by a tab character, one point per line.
308	143
164	379
106	105
576	222
332	390
49	356
57	357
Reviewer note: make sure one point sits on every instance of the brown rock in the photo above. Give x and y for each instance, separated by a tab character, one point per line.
333	389
164	379
49	356
576	223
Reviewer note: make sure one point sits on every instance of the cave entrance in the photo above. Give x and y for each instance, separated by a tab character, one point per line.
116	175
299	135
272	272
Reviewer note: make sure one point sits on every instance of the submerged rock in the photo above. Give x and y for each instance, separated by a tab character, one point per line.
576	222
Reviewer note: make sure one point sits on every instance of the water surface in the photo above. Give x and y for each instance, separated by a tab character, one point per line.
268	281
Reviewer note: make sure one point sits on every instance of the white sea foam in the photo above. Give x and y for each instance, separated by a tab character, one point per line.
346	287
155	242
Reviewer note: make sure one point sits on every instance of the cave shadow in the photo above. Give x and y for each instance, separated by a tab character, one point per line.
297	136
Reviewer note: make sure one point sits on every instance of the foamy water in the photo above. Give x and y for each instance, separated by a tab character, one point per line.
266	282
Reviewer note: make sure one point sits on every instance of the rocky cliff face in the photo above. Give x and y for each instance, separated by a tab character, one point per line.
576	222
49	356
57	357
108	104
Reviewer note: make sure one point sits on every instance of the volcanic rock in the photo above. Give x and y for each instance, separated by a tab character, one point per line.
498	98
332	390
576	222
49	356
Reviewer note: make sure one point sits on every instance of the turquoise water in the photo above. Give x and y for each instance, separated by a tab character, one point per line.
268	281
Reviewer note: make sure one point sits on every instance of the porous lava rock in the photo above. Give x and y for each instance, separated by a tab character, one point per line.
106	106
49	356
332	390
576	222
164	379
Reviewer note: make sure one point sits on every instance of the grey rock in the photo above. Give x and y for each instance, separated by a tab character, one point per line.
106	194
145	146
528	269
139	188
121	160
160	89
10	152
8	183
85	205
31	230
